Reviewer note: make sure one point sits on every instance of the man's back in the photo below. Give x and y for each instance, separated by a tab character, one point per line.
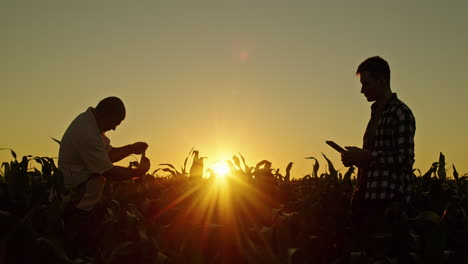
84	154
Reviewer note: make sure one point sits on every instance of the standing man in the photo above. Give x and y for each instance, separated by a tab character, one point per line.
385	162
86	160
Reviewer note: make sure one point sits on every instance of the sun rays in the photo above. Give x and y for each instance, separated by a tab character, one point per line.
220	206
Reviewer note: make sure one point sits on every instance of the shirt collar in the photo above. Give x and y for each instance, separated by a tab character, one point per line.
386	104
92	118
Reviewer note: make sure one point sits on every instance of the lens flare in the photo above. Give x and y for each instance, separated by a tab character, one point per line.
243	56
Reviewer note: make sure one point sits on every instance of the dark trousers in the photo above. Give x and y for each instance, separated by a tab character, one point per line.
378	230
82	231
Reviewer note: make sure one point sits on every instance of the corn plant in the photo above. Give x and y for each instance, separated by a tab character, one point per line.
173	171
260	216
30	220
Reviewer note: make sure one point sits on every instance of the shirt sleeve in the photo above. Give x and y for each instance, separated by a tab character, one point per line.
403	153
93	152
106	141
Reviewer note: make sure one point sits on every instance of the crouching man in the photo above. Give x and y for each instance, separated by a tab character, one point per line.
86	160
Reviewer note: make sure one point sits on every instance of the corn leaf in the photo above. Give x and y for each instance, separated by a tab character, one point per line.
184	169
287	177
331	168
246	167
349	172
236	161
263	162
170	171
441	173
169	165
455	173
12	152
316	167
432	169
156	170
56	140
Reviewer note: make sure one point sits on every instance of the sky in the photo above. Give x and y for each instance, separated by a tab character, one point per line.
268	79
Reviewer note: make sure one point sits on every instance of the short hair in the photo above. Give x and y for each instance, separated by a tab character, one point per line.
376	66
112	106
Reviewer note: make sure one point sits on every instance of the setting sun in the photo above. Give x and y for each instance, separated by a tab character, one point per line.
220	168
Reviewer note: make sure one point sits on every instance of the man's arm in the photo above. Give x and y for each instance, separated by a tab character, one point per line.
117	154
403	153
118	173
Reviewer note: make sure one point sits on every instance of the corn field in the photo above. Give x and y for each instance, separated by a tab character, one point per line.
257	214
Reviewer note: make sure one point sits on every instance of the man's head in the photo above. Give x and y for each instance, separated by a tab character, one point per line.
374	74
110	112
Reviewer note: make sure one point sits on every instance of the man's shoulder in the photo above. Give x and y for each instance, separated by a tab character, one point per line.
82	128
401	109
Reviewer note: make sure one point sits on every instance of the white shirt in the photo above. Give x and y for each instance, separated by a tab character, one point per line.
84	153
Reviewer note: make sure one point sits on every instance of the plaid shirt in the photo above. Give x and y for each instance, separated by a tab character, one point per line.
390	139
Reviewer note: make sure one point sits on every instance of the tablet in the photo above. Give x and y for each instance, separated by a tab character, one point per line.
335	146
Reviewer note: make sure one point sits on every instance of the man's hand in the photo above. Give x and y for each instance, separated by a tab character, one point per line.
119	173
355	156
117	154
144	165
139	147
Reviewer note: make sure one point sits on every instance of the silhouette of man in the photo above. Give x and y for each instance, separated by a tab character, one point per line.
86	160
385	162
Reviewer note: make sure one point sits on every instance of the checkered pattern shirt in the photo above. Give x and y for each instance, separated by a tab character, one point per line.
390	139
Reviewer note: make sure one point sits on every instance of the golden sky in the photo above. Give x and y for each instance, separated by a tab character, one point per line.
269	79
